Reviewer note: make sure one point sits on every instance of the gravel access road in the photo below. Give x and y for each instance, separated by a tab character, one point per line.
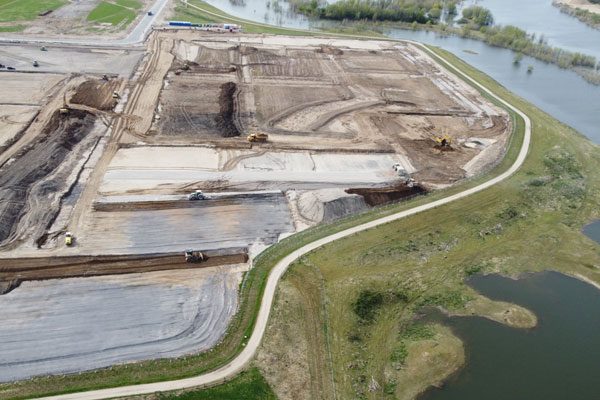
240	362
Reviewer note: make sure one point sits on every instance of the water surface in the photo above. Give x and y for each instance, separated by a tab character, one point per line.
559	359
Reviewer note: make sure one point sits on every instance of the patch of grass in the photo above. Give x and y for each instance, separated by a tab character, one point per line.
129	4
26	10
111	13
12	28
250	385
367	303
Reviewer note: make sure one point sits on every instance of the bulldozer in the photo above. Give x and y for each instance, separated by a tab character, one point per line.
443	141
194	256
258	137
69	238
65	107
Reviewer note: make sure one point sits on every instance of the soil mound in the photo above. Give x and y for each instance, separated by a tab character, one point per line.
96	94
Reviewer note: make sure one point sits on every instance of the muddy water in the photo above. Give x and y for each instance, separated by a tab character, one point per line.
561	93
559	359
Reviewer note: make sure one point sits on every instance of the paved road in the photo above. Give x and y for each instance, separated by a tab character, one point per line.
137	35
238	363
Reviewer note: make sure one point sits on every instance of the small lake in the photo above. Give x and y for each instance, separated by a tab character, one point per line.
559	359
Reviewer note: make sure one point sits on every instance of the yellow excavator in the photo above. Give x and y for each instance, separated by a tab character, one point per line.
443	141
65	107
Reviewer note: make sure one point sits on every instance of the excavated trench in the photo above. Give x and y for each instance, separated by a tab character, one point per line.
379	196
35	167
225	122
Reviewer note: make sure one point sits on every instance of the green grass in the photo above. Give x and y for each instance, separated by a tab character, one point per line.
111	13
12	28
129	4
26	10
250	385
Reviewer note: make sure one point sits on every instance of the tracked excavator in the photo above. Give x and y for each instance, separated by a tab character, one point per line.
65	107
443	141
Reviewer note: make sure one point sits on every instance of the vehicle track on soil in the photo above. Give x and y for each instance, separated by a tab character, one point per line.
241	361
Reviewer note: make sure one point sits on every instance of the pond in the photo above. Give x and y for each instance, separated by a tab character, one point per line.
558	359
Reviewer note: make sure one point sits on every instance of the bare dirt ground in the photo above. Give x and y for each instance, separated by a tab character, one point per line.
339	114
584	4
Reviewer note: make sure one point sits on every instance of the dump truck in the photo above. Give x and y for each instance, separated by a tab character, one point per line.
258	137
69	238
197	195
194	256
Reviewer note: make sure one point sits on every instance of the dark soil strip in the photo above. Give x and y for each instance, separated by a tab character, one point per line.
224	119
379	196
25	269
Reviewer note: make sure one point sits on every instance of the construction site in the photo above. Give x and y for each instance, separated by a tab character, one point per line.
220	145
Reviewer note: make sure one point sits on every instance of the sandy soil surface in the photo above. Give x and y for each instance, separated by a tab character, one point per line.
89	323
13	119
25	89
69	59
584	4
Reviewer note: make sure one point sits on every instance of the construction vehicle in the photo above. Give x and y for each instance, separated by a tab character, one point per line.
104	78
185	67
258	137
65	107
43	48
443	141
197	195
115	95
35	63
69	238
194	256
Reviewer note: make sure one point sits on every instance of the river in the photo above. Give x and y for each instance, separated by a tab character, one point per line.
561	93
556	360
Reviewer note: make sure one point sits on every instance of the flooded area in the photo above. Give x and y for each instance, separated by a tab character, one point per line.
556	360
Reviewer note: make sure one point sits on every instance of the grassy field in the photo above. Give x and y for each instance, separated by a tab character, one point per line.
250	385
26	10
377	280
112	13
12	28
129	4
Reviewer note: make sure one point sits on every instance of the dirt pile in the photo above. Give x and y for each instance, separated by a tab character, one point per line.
30	181
97	94
378	196
225	118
